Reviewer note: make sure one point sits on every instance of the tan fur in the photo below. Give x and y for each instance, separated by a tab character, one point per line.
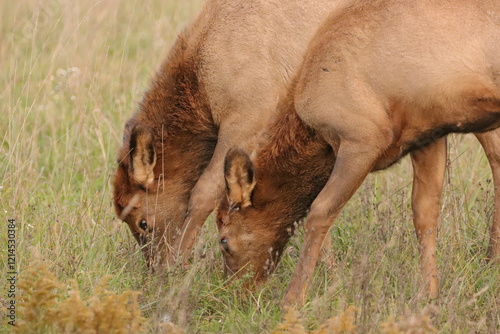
380	79
217	88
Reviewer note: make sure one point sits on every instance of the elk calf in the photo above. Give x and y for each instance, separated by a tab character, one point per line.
380	79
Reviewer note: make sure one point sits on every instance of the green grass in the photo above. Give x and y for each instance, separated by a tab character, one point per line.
72	74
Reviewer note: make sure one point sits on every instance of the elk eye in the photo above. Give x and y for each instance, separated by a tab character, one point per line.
223	243
143	225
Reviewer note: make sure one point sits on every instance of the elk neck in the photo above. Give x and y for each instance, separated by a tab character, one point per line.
176	108
292	165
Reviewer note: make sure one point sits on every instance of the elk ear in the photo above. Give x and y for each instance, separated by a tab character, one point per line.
142	155
240	177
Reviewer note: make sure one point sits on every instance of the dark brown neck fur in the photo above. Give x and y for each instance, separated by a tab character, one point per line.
177	99
292	167
177	111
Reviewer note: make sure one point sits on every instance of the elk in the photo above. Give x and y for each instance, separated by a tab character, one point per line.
219	83
380	79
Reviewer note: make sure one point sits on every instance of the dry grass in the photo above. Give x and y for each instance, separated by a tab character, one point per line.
72	74
45	306
343	323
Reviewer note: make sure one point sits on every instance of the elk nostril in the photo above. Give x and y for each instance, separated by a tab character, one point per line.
143	225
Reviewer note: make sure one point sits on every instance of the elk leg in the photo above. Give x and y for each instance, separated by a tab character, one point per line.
429	164
491	145
201	203
327	254
354	161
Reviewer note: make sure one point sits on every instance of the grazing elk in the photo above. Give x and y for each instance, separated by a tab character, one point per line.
219	82
380	79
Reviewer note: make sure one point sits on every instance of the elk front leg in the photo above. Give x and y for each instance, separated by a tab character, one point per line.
202	202
491	145
354	161
429	164
327	254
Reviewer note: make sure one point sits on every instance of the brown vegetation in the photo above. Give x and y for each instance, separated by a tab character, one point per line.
45	307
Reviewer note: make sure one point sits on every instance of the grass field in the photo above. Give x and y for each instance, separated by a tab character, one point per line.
72	73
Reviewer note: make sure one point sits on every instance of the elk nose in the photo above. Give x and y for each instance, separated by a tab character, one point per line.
228	273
